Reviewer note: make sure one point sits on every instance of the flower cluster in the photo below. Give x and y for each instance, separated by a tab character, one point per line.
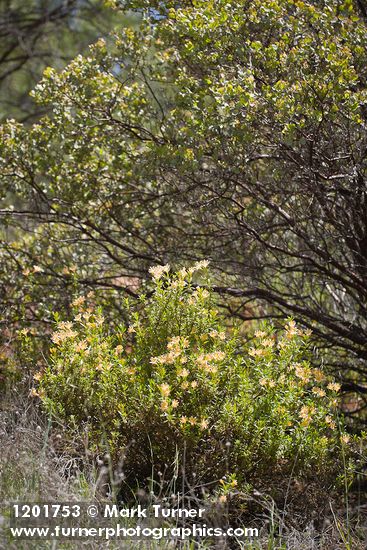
204	361
158	271
64	332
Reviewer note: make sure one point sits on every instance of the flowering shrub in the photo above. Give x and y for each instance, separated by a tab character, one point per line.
176	388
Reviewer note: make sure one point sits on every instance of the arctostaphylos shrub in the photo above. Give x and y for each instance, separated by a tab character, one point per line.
175	391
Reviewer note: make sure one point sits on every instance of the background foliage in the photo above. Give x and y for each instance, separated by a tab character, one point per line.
229	130
36	34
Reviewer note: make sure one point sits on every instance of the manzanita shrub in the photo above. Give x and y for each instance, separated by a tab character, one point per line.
176	390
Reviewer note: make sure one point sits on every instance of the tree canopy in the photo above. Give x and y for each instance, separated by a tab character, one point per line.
37	34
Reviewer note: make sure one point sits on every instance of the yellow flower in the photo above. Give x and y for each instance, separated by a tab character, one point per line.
165	359
174	343
174	346
37	376
34	393
215	356
219	335
291	329
119	349
185	343
329	420
200	292
184	373
99	320
183	272
174	404
306	413
345	439
260	334
192	420
78	301
334	386
131	329
194	384
318	375
256	352
81	346
268	343
267	382
202	363
158	271
164	405
319	391
201	265
100	43
204	424
184	385
183	419
165	389
303	373
65	325
64	333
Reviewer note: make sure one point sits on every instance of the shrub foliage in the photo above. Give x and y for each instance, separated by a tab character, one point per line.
176	390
